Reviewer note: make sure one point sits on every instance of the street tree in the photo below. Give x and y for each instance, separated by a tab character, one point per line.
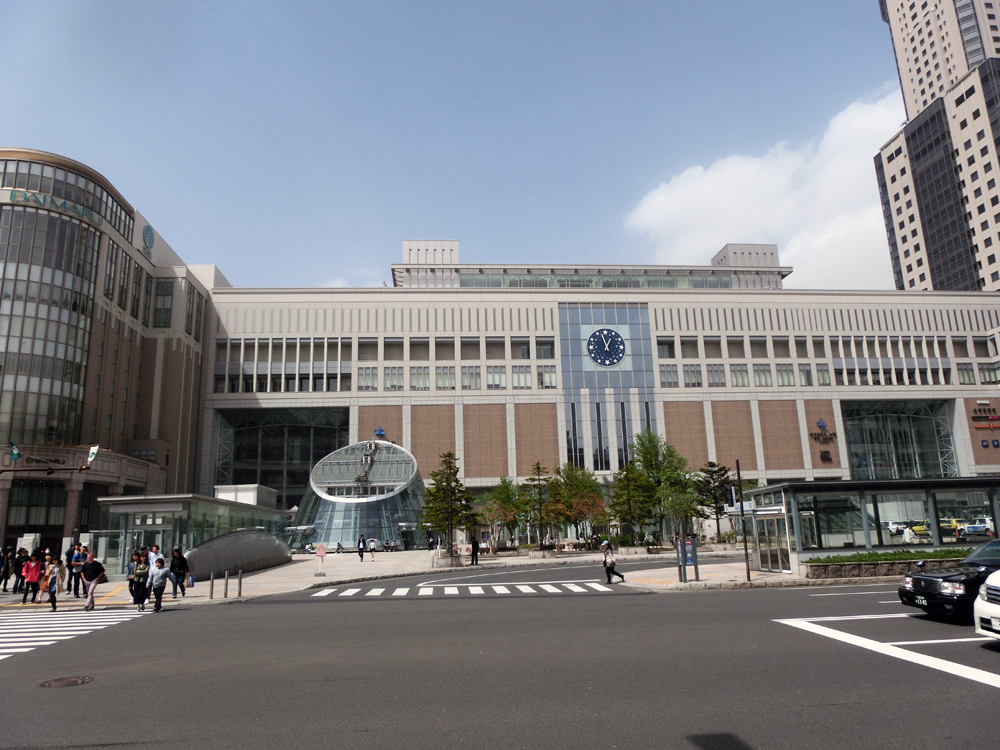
500	509
536	497
448	504
575	495
632	500
680	502
655	458
713	485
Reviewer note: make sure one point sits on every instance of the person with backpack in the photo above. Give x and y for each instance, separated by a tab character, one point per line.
609	561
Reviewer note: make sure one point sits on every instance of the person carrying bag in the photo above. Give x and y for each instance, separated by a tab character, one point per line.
610	562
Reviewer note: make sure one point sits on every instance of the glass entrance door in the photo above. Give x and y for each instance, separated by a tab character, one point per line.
772	544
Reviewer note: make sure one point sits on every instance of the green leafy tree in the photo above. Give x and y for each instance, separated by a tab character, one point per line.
510	497
632	500
536	491
660	463
575	495
448	504
680	502
713	486
500	509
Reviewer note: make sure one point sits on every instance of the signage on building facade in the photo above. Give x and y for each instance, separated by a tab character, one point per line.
823	437
47	201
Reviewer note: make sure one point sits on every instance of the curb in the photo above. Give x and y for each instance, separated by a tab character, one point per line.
794	583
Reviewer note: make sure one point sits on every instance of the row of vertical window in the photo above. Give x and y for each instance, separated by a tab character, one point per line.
67	185
784	375
124	274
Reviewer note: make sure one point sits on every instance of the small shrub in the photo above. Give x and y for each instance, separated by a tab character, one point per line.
894	556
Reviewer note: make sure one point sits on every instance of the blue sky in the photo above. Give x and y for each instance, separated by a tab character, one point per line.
300	143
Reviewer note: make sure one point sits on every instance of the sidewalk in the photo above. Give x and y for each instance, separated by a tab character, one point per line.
722	576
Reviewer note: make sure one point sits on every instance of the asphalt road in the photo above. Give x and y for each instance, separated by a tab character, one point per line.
557	667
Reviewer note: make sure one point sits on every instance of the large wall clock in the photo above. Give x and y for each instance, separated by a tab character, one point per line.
606	347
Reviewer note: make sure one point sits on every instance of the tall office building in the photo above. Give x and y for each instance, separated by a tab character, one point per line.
936	176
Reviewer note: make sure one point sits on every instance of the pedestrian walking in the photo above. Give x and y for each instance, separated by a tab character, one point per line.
158	577
371	547
32	574
6	569
178	570
79	560
130	574
140	576
55	576
91	575
475	551
361	548
610	562
20	560
69	567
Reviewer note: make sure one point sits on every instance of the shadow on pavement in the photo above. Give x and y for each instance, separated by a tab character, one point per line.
722	741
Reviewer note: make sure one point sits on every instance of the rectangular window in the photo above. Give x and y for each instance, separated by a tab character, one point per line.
668	376
471	378
199	310
739	376
126	267
109	273
393	379
367	378
989	374
546	376
444	378
762	376
520	376
189	308
420	378
716	376
665	348
496	378
692	376
785	374
136	290
822	374
164	302
147	299
805	375
966	375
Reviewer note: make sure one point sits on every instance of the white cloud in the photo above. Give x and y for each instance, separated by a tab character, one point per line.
819	203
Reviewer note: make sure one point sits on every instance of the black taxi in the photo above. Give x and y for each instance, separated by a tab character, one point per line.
951	591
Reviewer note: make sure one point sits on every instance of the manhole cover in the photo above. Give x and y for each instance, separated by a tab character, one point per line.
67	682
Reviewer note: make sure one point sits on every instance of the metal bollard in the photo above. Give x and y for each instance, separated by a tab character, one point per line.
225	587
211	585
239	585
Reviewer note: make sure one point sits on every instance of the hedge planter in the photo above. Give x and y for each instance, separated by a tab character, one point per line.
873	569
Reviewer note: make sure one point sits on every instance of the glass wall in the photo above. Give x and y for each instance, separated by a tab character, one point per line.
898	439
277	447
49	268
36	507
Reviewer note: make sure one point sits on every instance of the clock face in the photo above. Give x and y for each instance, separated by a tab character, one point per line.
606	347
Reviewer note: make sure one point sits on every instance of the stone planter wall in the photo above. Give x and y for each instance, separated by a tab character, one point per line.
872	569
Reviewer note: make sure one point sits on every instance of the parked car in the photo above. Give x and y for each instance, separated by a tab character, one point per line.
977	527
986	609
951	591
894	527
922	528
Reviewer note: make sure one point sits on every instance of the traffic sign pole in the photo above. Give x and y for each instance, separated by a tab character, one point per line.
320	553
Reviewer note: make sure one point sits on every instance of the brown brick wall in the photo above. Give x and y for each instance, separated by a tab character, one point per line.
485	428
734	434
989	455
536	435
432	432
684	425
779	428
815	411
389	418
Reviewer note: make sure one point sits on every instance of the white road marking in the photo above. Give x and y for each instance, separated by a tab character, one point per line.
887	649
891	601
551	589
574	587
348	592
426	592
23	631
476	590
501	589
451	590
938	640
526	589
324	592
599	587
850	593
375	592
400	592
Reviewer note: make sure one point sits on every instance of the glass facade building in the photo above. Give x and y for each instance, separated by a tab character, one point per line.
899	439
373	489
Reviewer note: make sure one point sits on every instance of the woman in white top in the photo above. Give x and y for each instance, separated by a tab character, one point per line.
609	562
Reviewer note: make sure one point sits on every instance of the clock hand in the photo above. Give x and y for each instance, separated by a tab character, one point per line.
605	342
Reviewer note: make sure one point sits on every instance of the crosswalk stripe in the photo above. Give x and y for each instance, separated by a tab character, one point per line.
426	591
23	632
476	590
574	587
349	592
450	590
551	589
29	643
324	592
15	650
598	587
501	589
400	592
526	589
375	592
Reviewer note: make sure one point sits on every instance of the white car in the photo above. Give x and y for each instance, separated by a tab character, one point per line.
986	608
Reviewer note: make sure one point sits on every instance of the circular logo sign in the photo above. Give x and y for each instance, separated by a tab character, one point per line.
148	237
606	347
